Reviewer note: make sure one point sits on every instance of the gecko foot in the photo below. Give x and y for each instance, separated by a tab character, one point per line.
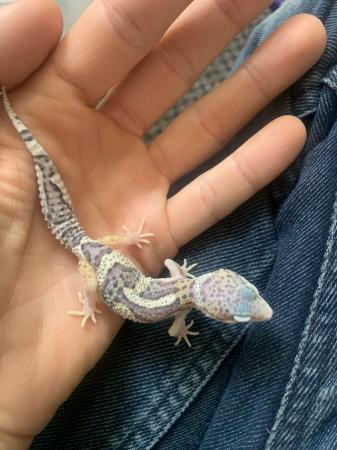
186	270
184	332
180	330
88	310
179	271
138	237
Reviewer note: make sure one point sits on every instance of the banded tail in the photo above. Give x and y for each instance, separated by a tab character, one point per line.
54	199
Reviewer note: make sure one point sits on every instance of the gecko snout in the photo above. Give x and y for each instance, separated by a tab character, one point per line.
248	305
257	309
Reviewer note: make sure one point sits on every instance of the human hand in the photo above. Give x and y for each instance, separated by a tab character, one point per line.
114	179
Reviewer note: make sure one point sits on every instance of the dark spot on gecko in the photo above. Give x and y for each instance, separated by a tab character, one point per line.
94	252
71	235
26	135
158	289
117	277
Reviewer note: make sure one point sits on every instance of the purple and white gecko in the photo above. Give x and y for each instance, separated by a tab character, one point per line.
222	295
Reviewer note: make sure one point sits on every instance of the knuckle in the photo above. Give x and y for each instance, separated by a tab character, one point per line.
245	172
126	26
177	62
233	12
209	199
257	79
161	163
209	121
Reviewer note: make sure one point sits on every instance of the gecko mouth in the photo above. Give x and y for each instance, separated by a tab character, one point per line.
241	318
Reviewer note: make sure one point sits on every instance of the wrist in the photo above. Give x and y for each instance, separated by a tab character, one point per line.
10	442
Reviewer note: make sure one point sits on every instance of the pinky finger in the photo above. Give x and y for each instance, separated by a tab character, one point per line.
217	192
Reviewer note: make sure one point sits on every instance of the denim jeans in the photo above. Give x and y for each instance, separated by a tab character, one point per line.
268	386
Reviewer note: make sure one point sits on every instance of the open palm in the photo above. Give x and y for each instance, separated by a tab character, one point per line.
113	178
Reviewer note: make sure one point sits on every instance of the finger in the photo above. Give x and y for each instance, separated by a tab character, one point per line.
29	30
209	123
193	41
109	39
217	192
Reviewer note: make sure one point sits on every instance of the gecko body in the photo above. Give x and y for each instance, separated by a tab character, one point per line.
222	295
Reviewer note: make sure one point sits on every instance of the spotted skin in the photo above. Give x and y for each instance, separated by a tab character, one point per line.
222	295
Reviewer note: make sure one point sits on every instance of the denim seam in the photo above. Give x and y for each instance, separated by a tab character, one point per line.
200	387
306	332
139	434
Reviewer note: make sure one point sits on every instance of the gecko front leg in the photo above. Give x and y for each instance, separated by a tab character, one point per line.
89	298
177	271
137	238
179	329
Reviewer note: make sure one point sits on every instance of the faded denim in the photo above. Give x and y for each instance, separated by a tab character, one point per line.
258	386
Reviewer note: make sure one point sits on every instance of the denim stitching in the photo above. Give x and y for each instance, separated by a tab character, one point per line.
281	415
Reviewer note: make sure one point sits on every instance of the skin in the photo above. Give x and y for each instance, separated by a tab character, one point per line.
102	158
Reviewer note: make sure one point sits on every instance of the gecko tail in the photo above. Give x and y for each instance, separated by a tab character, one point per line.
55	202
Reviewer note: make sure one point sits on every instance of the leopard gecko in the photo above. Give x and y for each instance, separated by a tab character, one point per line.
222	294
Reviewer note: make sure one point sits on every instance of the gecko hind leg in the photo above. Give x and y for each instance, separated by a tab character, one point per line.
88	299
88	311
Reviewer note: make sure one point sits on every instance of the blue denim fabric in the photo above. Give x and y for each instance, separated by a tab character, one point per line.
257	386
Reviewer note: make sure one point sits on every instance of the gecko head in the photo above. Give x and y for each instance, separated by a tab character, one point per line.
227	296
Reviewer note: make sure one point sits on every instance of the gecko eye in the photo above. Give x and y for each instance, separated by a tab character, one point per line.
247	294
249	285
243	307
